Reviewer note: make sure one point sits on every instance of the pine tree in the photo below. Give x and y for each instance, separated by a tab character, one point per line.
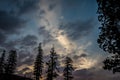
11	62
2	62
68	69
109	37
52	71
38	65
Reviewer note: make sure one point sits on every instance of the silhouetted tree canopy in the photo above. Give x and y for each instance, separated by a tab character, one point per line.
2	63
52	71
11	62
109	37
112	63
38	65
68	69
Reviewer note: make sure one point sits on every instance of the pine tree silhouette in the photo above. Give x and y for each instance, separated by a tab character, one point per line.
109	37
52	71
2	62
68	69
11	62
38	65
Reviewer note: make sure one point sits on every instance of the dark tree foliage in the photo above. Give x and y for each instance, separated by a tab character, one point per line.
11	62
52	71
38	65
68	69
2	62
109	37
112	63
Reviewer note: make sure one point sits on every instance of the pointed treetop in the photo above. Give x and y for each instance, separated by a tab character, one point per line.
4	51
53	46
53	49
12	51
40	44
69	60
40	47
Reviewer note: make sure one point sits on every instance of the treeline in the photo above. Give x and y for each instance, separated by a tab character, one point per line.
8	66
52	68
109	36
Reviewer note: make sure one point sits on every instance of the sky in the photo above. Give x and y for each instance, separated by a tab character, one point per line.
70	25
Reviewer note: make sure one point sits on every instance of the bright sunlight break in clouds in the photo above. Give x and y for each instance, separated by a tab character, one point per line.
70	25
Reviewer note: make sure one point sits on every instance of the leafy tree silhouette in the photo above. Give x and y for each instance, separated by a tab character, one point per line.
11	62
52	71
38	65
109	37
68	69
2	62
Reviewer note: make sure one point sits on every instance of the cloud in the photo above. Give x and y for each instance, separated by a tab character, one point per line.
75	57
29	40
25	70
25	57
82	73
47	37
52	6
20	43
10	23
13	20
14	15
24	47
22	6
78	29
93	74
2	38
26	6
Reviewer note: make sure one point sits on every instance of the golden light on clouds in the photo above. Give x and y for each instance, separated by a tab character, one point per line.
64	41
30	68
85	63
51	23
42	78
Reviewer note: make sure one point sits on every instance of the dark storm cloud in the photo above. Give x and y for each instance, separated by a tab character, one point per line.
21	6
44	32
25	57
42	14
22	42
10	44
2	38
11	20
29	40
10	23
78	29
52	6
22	46
83	55
75	57
46	35
28	5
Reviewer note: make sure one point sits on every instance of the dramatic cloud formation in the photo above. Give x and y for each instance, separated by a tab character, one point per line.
10	23
71	26
78	29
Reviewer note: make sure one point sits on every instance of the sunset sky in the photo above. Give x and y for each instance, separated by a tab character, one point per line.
70	25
